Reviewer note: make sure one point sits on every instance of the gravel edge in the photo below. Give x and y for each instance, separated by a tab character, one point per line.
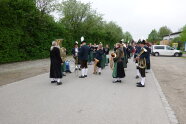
169	111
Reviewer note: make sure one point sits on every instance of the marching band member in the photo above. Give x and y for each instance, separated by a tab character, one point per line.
83	54
124	58
142	63
98	60
118	69
62	54
75	52
55	66
137	51
147	47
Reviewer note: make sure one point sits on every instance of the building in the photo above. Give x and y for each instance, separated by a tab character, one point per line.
172	36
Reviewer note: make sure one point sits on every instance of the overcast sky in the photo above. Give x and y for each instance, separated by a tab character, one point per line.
139	17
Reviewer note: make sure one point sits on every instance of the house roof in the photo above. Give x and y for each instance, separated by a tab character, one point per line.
179	32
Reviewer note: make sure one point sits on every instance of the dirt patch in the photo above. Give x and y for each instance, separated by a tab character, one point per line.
21	70
171	74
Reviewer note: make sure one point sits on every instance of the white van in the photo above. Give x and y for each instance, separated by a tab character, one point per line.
165	50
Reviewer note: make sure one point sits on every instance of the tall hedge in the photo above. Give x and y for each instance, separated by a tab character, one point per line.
25	32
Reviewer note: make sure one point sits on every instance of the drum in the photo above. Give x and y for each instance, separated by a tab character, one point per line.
72	65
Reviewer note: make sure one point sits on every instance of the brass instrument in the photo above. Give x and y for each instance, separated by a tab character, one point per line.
142	62
113	55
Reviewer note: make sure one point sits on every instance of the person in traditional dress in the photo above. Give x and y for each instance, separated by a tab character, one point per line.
137	51
107	50
103	61
142	64
124	58
62	54
118	70
83	55
147	47
95	47
98	60
55	64
75	52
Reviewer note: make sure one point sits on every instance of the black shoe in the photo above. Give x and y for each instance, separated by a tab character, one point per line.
140	85
79	69
119	81
59	83
99	73
81	76
53	82
85	76
137	76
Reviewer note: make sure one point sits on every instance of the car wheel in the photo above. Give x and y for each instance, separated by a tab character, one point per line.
156	54
176	54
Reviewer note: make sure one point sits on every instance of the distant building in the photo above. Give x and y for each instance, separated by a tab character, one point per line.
167	38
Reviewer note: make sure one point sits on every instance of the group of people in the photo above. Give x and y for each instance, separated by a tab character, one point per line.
100	57
90	54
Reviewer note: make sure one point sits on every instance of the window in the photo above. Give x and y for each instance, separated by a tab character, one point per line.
159	47
168	47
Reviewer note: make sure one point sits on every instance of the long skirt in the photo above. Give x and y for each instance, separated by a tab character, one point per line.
124	62
118	71
55	70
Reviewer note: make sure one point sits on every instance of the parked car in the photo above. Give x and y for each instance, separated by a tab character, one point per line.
165	50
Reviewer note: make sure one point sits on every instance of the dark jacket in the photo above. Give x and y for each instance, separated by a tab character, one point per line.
99	54
148	54
107	51
84	52
138	49
144	54
119	55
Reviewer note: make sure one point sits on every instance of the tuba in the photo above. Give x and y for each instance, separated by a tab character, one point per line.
113	55
142	62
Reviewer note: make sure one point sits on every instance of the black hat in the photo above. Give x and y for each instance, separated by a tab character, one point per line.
143	42
120	42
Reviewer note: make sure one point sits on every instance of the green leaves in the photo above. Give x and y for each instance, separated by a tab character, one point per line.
27	29
164	31
153	36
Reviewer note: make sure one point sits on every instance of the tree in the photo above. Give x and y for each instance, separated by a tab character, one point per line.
164	31
183	34
127	37
153	36
46	6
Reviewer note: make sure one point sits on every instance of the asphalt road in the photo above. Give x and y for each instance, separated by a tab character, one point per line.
93	100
